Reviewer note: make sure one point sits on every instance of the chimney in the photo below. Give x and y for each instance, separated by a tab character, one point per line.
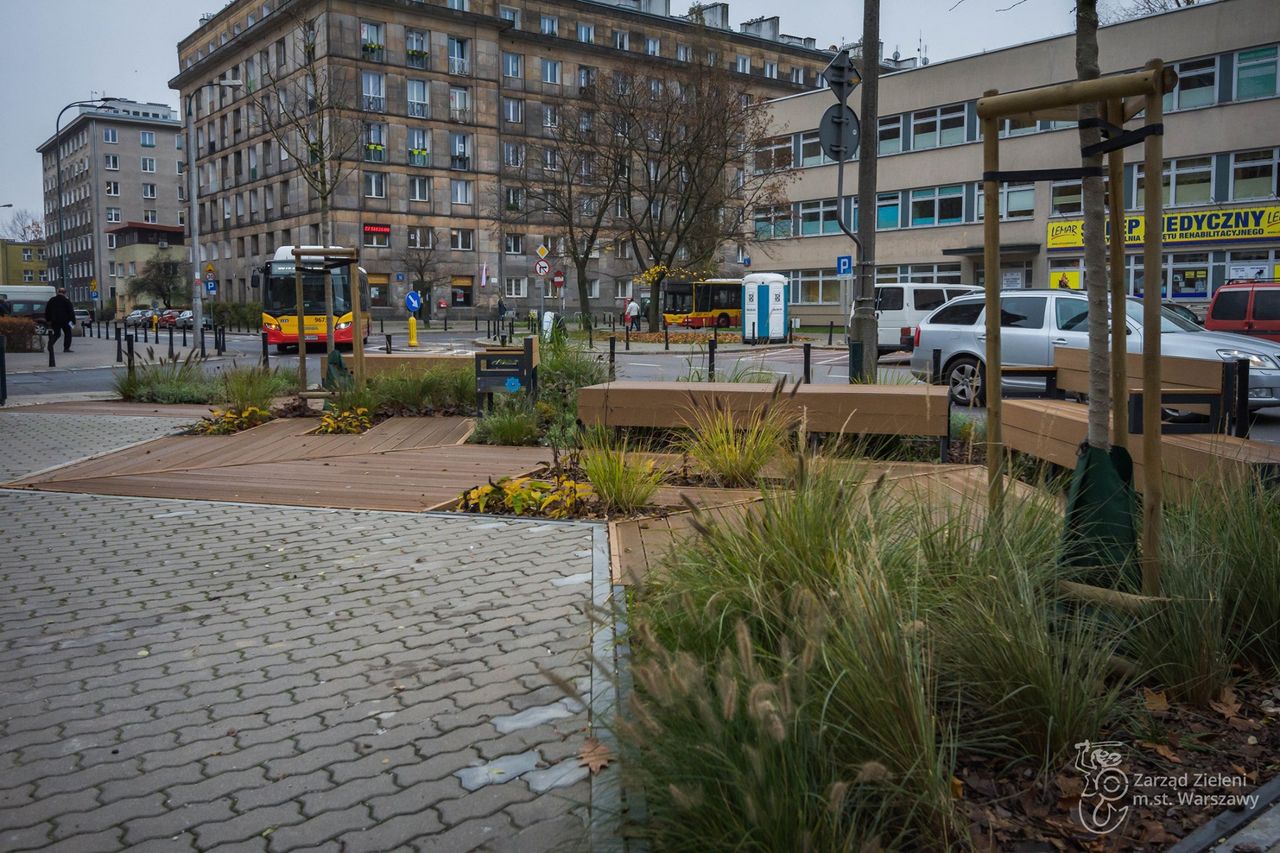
716	15
767	28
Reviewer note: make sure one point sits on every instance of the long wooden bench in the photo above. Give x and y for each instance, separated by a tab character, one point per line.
908	410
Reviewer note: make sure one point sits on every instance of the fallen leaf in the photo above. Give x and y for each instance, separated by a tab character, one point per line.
1070	786
1227	705
594	755
1156	702
1153	832
957	788
1162	750
1242	724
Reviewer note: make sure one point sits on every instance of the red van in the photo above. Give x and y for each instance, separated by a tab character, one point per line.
1246	308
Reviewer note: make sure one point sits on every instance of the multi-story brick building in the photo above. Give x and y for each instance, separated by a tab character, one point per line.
1221	143
121	161
443	88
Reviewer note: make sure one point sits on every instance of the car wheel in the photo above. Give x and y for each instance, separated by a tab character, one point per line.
723	321
965	381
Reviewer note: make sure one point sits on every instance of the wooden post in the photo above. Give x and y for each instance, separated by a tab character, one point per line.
991	264
1119	329
357	321
302	322
1152	285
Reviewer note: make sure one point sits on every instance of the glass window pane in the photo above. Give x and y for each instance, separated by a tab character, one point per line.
1022	312
1256	73
1254	174
1266	305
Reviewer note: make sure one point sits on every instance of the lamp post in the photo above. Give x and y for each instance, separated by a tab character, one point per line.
57	143
197	301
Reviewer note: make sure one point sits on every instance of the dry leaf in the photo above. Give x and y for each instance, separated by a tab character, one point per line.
594	755
1156	702
957	788
1162	750
1241	724
1227	705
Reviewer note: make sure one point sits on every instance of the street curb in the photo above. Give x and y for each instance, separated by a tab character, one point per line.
1224	824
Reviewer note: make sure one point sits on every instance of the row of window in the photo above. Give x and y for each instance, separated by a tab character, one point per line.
111	162
1254	75
146	138
149	215
378	236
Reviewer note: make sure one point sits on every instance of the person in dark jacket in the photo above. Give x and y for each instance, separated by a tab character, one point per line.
59	314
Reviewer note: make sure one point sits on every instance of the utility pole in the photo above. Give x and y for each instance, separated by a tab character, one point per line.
864	318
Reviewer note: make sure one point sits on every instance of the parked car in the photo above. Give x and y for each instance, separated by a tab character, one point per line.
82	317
186	320
900	306
1033	322
169	317
1246	307
138	316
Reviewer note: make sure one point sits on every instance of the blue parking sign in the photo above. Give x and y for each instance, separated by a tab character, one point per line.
844	265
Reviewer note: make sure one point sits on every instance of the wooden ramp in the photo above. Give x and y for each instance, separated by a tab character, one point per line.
403	464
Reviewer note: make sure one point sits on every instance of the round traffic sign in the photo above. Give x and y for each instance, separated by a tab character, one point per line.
412	301
558	278
542	267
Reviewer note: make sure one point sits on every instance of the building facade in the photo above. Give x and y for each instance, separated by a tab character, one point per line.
1221	144
135	244
121	161
23	262
447	92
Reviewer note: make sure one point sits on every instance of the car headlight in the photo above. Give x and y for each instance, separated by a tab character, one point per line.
342	326
271	327
1255	359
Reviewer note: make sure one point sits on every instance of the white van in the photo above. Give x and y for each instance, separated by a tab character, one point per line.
28	300
900	306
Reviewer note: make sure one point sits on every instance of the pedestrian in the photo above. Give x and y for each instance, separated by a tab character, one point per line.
6	309
59	314
502	309
633	314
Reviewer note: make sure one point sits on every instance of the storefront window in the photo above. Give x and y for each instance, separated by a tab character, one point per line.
1190	275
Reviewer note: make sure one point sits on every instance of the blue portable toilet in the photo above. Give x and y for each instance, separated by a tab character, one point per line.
766	308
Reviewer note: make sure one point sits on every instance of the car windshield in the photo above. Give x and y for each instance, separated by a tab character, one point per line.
1169	321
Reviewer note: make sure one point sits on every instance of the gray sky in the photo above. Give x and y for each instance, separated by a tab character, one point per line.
56	51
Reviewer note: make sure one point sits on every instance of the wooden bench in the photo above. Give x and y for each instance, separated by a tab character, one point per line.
909	410
377	363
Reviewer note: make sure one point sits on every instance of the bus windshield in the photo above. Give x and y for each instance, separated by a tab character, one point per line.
677	298
280	293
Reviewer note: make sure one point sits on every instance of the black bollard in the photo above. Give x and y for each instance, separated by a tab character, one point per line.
711	360
266	355
203	354
388	337
627	334
184	337
591	341
808	370
171	342
855	361
477	322
382	329
128	340
511	328
831	330
613	351
666	335
446	322
52	363
146	333
119	346
4	378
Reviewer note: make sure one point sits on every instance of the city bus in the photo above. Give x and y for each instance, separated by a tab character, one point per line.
702	304
280	306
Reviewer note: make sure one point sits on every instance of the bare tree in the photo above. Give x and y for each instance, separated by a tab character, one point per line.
23	226
570	184
163	279
1129	9
1095	240
687	165
423	264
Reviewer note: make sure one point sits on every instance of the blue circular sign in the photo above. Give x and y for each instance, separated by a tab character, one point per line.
513	384
412	300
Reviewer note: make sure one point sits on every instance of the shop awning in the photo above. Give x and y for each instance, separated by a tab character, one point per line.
1005	249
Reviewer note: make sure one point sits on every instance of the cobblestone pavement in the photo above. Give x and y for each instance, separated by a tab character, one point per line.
376	686
32	442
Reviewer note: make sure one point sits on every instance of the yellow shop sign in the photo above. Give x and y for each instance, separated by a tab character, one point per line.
1235	225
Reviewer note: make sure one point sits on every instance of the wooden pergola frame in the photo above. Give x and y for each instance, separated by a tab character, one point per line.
329	257
1120	97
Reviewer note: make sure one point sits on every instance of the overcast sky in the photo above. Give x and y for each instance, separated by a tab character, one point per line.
56	51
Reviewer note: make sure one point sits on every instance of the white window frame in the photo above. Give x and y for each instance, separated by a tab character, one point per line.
515	287
652	46
147	138
771	69
112	163
549	25
113	214
375	184
513	244
148	161
110	135
419	182
462	239
512	65
1273	162
551	68
743	64
148	190
113	189
513	110
150	216
461	191
586	32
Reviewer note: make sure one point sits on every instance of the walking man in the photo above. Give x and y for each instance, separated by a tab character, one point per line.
59	314
633	314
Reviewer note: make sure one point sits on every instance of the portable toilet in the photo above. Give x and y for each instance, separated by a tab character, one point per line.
765	311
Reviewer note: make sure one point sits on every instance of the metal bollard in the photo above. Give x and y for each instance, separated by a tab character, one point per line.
808	369
511	328
477	322
171	342
382	328
591	336
831	330
666	335
203	354
446	322
146	333
128	339
1242	398
627	335
711	359
184	337
266	354
4	377
388	337
613	351
715	333
52	363
855	361
119	346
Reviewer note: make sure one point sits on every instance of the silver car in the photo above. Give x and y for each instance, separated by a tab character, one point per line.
1035	321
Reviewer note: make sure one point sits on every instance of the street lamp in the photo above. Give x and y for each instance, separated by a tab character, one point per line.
197	301
57	142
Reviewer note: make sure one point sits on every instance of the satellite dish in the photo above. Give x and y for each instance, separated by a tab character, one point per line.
924	61
896	56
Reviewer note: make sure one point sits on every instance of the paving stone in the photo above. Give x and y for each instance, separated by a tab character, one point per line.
322	827
245	826
351	793
392	834
416	798
565	832
467	836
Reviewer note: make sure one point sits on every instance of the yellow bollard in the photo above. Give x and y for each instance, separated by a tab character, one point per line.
413	331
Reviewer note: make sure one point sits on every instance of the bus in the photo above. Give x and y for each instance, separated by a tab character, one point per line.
702	304
280	306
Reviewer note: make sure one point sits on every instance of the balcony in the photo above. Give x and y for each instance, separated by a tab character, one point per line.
419	109
419	157
460	66
462	115
417	59
460	163
375	103
375	152
373	52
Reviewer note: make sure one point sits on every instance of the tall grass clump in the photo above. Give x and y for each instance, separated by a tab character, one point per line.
623	482
563	369
734	448
254	387
512	421
162	380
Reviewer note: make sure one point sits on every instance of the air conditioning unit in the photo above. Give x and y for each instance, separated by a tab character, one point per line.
163	244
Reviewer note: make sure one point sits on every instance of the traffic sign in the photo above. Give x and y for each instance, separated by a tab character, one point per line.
543	251
844	265
542	268
211	286
558	278
412	301
842	76
93	294
838	128
209	276
93	285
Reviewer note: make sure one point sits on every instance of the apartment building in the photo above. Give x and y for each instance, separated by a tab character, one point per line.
23	262
121	161
1221	141
447	92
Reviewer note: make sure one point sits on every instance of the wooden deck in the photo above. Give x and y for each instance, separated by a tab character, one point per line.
402	464
115	407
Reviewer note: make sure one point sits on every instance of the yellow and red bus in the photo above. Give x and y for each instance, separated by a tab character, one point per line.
280	304
703	304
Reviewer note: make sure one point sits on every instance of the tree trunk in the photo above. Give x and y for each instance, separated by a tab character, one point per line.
326	236
1095	250
655	289
584	289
